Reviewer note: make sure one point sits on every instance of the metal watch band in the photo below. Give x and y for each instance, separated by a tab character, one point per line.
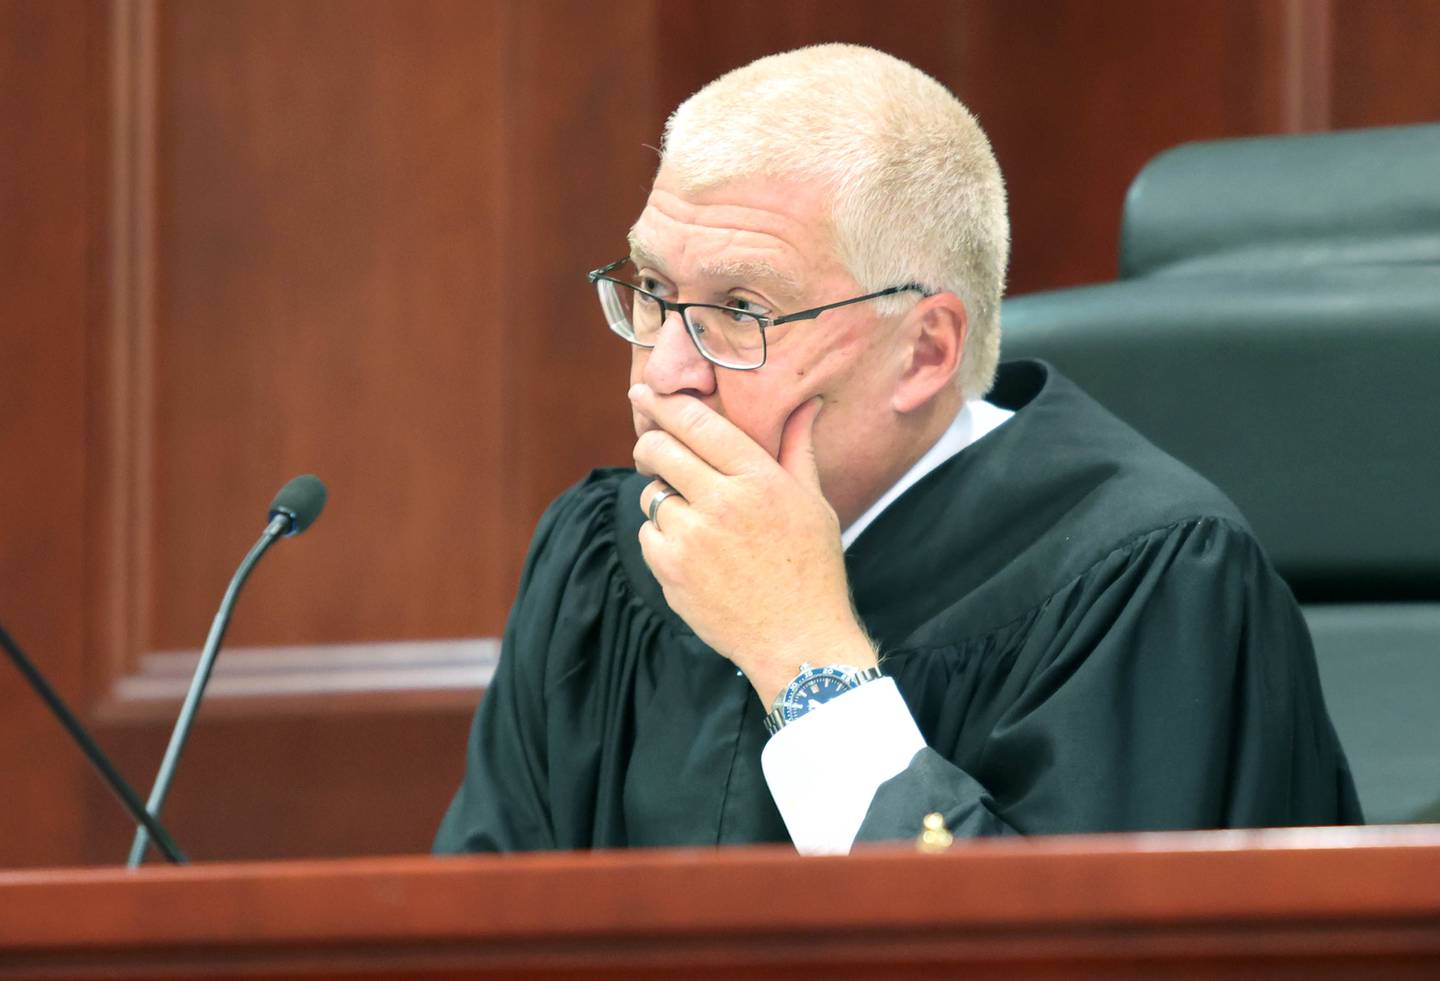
776	720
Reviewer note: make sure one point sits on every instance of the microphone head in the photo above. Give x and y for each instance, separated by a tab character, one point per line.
300	501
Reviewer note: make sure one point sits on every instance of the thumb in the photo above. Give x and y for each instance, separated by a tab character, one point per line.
797	446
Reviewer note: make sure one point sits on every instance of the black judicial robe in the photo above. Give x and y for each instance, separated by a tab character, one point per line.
1086	632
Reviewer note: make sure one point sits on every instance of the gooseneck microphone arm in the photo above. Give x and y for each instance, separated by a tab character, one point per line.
181	732
72	725
294	508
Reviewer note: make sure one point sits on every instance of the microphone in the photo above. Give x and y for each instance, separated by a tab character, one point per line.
294	509
102	763
300	501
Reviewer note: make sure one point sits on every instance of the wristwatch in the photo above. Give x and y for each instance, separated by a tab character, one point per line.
812	687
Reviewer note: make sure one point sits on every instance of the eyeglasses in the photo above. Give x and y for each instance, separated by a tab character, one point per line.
726	336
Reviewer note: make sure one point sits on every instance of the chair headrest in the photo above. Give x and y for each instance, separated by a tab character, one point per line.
1278	330
1357	197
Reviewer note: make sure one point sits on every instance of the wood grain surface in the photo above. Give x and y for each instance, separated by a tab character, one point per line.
1185	905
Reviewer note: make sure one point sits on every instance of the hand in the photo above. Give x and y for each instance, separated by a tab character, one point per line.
749	553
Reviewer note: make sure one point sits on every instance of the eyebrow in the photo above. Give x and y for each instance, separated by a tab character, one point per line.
754	272
640	253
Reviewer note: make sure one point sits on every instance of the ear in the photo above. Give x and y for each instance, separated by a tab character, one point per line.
935	343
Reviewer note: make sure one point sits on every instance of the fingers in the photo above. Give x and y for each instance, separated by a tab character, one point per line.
661	455
652	510
708	434
652	549
702	472
797	446
670	501
658	548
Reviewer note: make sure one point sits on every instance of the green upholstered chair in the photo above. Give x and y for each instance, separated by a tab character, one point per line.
1276	325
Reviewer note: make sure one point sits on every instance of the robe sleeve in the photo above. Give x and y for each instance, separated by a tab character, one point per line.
1171	686
503	803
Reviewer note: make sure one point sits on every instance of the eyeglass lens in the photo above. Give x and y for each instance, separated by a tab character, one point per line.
729	337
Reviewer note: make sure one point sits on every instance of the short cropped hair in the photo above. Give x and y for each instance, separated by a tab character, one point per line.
916	193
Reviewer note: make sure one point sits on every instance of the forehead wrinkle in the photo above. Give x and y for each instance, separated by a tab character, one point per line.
736	220
739	270
779	220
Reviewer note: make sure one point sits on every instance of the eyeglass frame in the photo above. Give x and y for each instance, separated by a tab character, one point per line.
765	323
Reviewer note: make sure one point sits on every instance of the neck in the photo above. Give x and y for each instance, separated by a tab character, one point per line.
911	436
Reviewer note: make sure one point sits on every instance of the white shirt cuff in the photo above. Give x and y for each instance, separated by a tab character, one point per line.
824	768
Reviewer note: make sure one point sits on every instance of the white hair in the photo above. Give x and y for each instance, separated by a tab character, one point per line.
915	192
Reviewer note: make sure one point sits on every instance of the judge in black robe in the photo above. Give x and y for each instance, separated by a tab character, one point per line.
1086	632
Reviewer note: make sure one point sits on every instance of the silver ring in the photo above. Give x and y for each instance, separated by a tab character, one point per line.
655	502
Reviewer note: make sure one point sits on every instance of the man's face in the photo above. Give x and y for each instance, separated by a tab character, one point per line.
765	245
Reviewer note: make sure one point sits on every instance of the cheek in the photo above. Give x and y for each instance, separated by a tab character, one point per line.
757	409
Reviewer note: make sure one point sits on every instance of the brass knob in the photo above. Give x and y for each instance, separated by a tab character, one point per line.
934	836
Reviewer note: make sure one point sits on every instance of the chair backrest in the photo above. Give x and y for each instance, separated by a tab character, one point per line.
1277	327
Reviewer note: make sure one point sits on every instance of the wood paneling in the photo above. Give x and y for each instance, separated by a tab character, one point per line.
1309	28
245	239
52	91
1077	96
1385	62
579	111
331	280
299	783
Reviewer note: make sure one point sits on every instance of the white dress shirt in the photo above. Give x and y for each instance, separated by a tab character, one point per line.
823	769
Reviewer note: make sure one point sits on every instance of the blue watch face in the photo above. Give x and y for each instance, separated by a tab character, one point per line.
811	688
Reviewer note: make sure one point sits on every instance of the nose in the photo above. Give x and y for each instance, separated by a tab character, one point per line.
675	364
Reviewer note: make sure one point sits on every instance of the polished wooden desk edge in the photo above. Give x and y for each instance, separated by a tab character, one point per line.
1382	874
1267	840
1312	840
